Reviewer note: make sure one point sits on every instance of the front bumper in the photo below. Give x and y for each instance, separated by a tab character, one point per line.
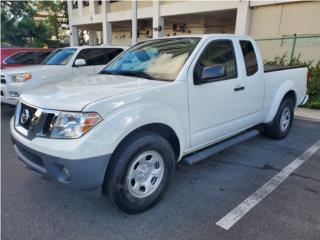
5	98
11	101
304	100
83	174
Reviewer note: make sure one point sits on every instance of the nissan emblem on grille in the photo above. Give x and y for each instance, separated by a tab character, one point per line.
25	116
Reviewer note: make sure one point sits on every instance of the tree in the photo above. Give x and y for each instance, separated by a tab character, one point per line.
35	34
9	30
11	13
24	32
19	27
17	9
82	40
58	16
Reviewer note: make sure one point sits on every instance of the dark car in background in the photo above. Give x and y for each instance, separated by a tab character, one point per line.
16	57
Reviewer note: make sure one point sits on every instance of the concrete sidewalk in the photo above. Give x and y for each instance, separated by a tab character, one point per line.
308	114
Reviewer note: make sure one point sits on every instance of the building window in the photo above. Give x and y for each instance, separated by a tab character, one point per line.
74	4
85	3
99	2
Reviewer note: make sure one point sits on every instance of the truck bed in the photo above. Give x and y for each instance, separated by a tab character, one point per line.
278	78
273	68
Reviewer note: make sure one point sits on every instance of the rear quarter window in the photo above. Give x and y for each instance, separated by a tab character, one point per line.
250	58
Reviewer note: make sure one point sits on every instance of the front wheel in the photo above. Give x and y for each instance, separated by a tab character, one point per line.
282	122
140	172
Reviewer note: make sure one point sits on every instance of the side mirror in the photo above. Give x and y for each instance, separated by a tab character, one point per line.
212	72
80	62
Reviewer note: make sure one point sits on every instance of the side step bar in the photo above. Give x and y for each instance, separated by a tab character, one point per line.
216	148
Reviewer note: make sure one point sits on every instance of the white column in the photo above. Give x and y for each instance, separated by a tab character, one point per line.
70	9
93	5
134	22
107	33
106	26
157	20
243	18
74	37
80	8
92	37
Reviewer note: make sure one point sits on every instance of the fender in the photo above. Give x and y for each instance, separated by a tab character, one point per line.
284	88
124	120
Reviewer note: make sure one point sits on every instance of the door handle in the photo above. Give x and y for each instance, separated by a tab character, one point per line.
239	89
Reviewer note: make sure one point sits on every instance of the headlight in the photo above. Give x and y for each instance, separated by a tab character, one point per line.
21	77
74	124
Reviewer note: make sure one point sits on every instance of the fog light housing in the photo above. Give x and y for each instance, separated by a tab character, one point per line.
66	174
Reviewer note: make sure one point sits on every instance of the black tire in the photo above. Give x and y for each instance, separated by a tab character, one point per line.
116	183
274	130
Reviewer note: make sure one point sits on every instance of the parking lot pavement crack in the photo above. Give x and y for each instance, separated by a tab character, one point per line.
264	167
268	167
305	177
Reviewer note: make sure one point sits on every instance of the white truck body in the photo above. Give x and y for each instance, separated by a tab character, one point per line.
198	114
47	73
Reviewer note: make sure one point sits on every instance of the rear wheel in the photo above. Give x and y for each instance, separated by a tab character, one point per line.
282	122
139	172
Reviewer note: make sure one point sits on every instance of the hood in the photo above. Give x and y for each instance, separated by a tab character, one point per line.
28	69
75	94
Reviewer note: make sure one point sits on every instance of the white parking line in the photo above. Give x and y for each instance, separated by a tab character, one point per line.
236	214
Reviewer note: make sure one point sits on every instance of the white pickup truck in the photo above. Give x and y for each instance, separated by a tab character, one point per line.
160	101
62	64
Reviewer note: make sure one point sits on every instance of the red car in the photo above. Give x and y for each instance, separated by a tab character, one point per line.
16	57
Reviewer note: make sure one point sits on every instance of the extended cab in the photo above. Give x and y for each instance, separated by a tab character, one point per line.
62	64
160	101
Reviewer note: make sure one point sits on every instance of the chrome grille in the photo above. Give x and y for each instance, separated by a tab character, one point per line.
26	115
48	123
32	121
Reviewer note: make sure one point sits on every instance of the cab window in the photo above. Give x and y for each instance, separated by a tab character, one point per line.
249	56
98	56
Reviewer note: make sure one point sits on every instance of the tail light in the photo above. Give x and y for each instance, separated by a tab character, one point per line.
309	75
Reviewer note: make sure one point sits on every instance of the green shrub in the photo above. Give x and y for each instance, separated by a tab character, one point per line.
313	81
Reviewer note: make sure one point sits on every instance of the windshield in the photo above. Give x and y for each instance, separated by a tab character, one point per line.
160	59
60	56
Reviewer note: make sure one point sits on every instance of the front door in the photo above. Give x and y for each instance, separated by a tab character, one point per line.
89	55
106	55
215	106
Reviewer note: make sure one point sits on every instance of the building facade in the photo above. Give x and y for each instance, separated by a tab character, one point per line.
127	21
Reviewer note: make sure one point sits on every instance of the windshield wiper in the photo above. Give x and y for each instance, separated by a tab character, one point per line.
137	74
106	72
130	73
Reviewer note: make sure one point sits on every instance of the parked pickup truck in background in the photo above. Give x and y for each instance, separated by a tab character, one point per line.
160	101
62	64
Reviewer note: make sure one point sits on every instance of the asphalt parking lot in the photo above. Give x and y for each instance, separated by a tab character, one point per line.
200	195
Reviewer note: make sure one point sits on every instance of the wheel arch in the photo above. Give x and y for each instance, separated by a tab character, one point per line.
291	94
160	128
285	91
